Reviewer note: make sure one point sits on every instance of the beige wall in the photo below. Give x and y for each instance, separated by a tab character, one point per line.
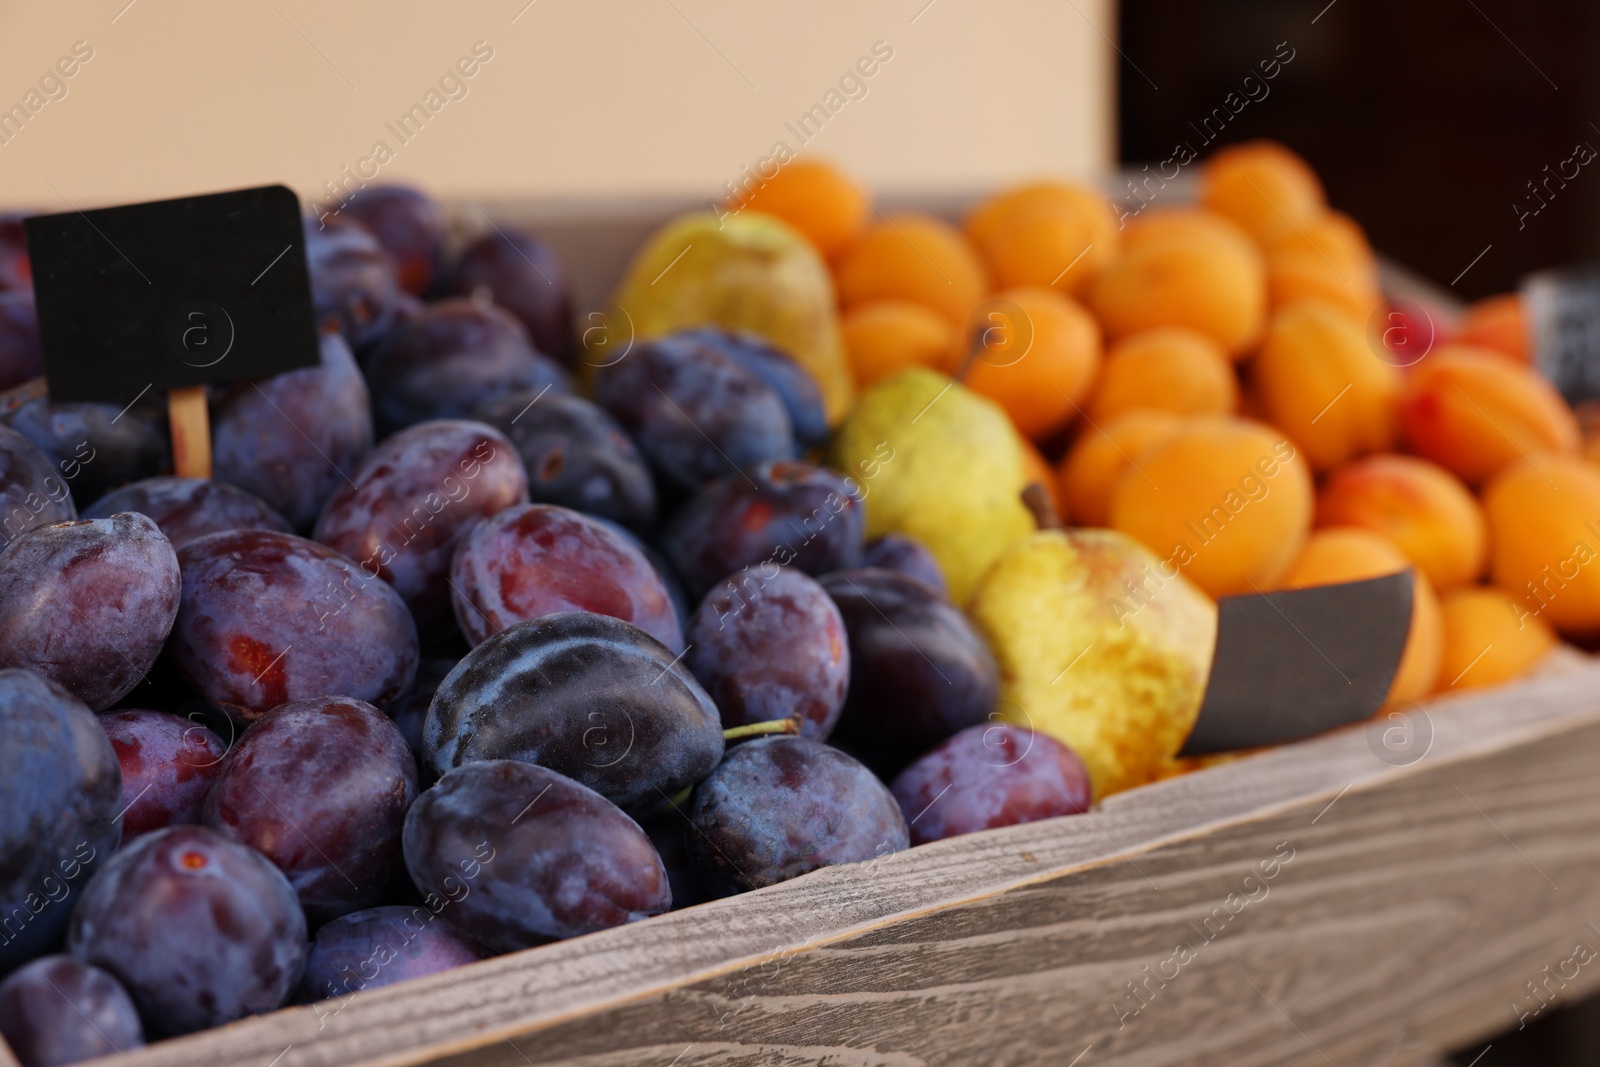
580	97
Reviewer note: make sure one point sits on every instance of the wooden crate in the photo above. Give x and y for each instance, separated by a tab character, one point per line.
1371	896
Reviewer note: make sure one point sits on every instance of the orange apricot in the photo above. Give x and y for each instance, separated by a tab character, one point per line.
1159	224
1228	502
1038	473
884	337
913	257
1048	233
1318	380
1489	639
1167	369
1100	455
1497	323
1348	554
1264	187
1037	358
1544	538
1474	412
1182	271
1327	259
814	198
1419	507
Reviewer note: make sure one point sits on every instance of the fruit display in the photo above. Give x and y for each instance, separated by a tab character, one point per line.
844	533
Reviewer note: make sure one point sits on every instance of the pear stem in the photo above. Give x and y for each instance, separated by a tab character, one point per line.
791	725
1037	501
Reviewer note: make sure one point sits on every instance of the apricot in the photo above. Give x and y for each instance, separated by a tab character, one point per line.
1419	507
1264	187
1227	501
884	337
1327	259
1348	554
917	258
1035	353
1497	323
1197	275
1100	455
1544	538
1048	233
1489	639
1166	369
1039	473
814	198
1159	224
1317	379
1474	412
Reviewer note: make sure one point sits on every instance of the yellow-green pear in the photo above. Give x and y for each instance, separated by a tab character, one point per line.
742	272
939	463
1101	645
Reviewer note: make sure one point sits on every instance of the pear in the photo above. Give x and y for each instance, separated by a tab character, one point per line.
939	463
1101	645
747	272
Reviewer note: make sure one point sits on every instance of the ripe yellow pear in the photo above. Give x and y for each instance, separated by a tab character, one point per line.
748	272
1101	645
939	463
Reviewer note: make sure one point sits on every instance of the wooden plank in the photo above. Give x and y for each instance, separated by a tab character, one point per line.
1401	904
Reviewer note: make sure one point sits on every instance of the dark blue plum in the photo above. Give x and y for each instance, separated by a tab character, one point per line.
778	807
187	508
60	798
695	412
410	712
577	456
21	358
89	604
919	669
293	439
988	776
408	225
519	272
590	696
783	514
793	383
897	552
16	272
320	787
354	286
199	929
58	1010
771	647
168	764
32	491
516	855
94	447
450	359
381	946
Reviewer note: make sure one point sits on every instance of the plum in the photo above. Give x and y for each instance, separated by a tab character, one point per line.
590	696
451	358
519	272
538	559
95	447
768	514
168	764
411	501
376	947
577	456
269	617
779	807
32	493
60	808
897	552
320	787
695	412
793	383
354	286
15	269
187	508
59	1010
771	649
408	225
200	929
21	357
88	604
521	855
291	439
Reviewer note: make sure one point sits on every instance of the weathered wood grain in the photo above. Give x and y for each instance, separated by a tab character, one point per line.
1406	917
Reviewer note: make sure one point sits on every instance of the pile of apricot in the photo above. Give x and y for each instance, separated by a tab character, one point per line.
1218	378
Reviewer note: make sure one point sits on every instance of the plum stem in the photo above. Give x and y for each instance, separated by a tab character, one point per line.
791	725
